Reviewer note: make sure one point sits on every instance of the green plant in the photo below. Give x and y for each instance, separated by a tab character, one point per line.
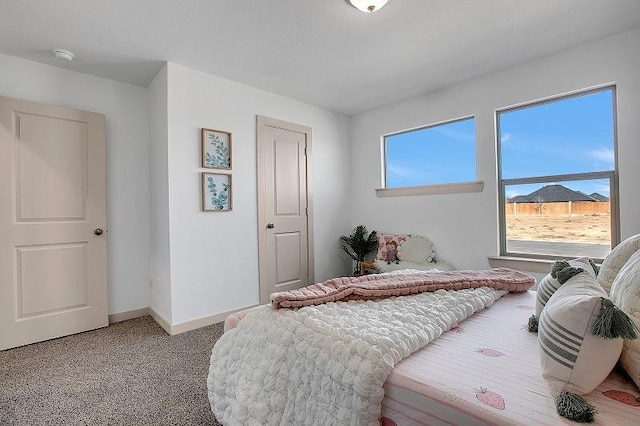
359	243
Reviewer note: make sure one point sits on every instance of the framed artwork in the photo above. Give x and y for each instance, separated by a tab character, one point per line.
216	149
216	192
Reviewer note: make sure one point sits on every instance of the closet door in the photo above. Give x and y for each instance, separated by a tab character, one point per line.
285	215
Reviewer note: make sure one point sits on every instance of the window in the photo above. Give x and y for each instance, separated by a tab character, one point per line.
557	185
438	154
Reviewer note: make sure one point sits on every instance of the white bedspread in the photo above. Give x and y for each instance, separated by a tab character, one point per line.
326	364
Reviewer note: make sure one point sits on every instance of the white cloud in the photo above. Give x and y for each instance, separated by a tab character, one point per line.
454	134
603	154
405	173
505	137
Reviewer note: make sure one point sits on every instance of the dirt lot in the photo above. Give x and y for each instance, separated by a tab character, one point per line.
579	228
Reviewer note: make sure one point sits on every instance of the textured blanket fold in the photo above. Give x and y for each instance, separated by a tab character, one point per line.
326	364
379	286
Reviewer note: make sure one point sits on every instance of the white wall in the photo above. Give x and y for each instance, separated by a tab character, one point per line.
463	236
214	256
125	107
207	263
160	268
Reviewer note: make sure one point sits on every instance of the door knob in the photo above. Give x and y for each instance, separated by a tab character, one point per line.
270	226
98	231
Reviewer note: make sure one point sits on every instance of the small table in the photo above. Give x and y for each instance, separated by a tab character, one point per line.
367	268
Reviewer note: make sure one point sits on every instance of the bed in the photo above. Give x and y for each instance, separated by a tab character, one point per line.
482	370
475	357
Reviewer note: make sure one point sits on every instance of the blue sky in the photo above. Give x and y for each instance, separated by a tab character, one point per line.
433	155
572	135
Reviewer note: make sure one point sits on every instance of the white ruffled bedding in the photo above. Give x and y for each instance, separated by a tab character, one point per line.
326	364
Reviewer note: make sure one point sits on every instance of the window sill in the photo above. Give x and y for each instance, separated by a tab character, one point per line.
447	188
542	266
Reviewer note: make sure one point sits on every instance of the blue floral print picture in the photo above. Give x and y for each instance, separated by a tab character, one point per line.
216	192
216	149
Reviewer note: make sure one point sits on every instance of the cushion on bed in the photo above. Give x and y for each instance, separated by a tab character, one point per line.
574	359
417	249
386	239
616	259
411	252
555	278
625	293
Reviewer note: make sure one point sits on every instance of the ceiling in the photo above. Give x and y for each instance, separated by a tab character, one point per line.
323	52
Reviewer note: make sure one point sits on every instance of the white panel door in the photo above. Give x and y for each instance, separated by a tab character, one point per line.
52	219
284	217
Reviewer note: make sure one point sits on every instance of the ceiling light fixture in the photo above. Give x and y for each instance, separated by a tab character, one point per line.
64	54
368	6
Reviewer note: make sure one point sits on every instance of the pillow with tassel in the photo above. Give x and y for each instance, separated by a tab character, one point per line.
625	293
580	335
561	271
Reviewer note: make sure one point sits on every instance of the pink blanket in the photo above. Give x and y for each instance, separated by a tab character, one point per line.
379	286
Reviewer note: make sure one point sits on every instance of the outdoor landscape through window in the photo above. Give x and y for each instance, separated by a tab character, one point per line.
559	221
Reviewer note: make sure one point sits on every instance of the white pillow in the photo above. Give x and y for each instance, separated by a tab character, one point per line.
572	358
550	283
625	293
616	259
417	249
575	360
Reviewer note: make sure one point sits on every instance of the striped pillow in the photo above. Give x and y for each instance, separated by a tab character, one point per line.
550	284
573	359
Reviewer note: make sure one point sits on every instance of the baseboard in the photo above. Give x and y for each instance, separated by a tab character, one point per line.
162	322
127	315
176	328
204	321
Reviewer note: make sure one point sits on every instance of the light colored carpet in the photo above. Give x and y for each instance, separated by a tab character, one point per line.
130	373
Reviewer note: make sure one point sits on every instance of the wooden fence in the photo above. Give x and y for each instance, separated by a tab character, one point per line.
559	208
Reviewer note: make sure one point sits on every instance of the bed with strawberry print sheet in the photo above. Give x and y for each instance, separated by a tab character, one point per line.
486	371
327	364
